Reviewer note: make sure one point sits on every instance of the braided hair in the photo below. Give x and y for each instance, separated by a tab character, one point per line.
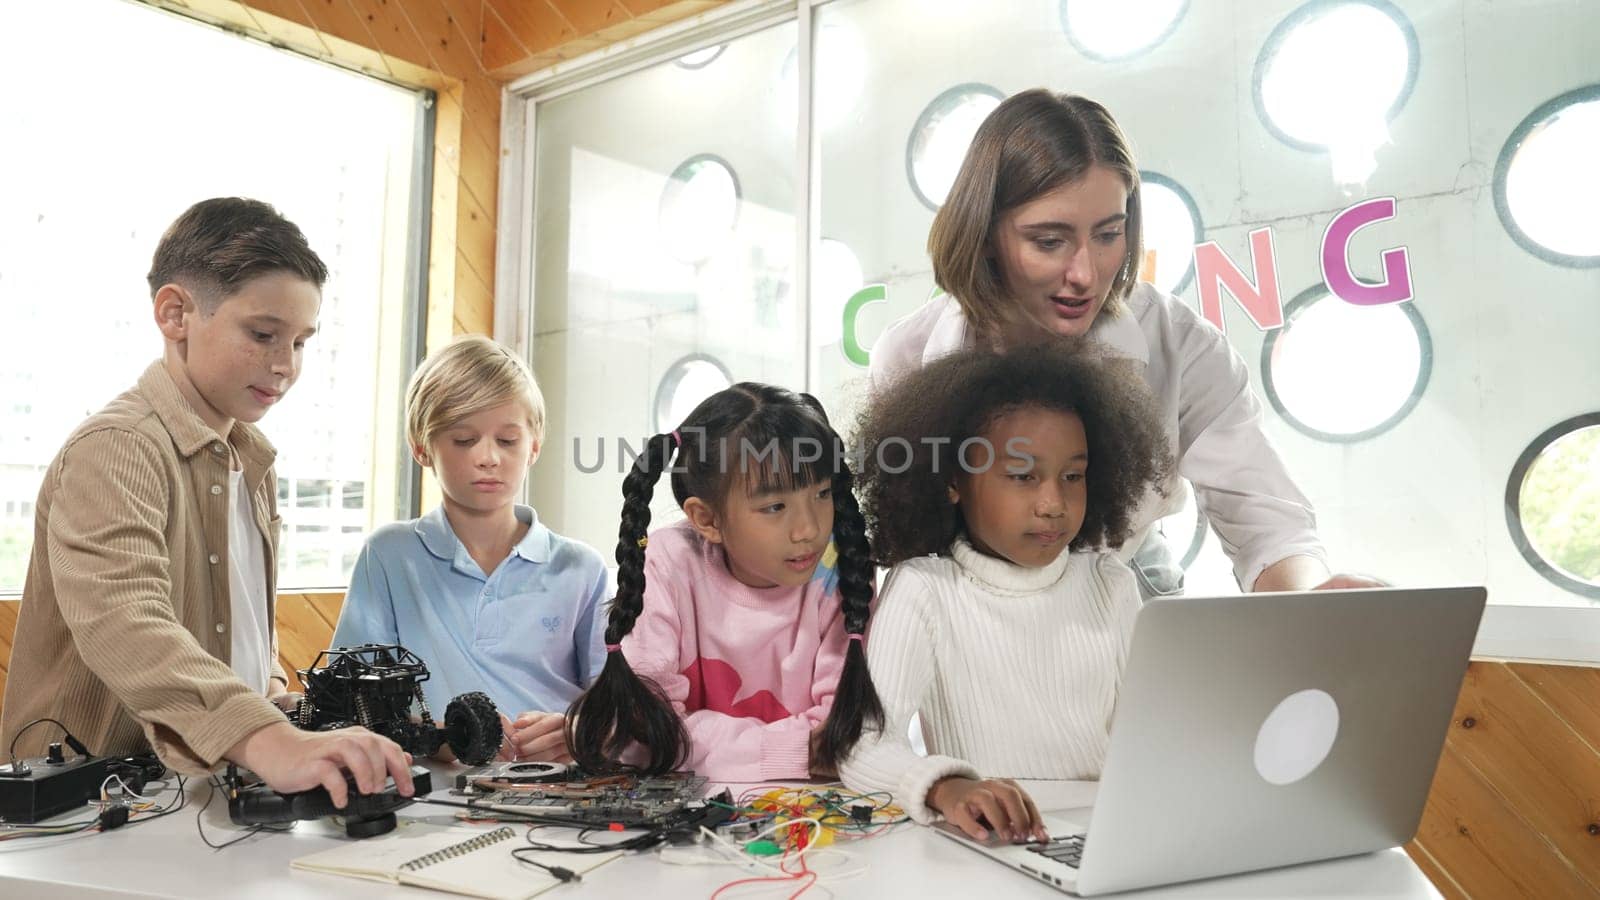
707	456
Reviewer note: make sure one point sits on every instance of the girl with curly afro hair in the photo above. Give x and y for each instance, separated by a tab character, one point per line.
996	486
734	643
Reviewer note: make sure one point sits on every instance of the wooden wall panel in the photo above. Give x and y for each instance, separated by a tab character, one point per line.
305	628
8	627
521	36
593	17
1435	872
1571	692
1480	841
512	30
1518	788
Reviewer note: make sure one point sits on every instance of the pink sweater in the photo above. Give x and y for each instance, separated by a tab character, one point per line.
751	670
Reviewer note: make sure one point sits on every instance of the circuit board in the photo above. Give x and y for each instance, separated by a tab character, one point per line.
601	799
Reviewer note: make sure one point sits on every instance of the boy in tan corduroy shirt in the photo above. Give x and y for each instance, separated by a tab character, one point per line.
135	589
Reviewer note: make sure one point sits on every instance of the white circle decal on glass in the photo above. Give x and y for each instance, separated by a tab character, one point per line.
1171	229
699	207
1309	375
1550	184
1110	30
699	59
837	278
1296	737
1312	96
688	382
940	139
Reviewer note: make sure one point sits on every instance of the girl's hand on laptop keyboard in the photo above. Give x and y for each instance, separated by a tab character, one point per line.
998	804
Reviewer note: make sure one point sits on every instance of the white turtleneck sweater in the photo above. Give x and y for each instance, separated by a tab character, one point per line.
1014	670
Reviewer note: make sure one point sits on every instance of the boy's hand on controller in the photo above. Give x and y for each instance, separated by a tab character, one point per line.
291	760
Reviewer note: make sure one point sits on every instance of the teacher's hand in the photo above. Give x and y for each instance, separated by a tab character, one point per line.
1349	580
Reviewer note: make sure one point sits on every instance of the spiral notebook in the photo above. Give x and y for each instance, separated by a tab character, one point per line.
455	860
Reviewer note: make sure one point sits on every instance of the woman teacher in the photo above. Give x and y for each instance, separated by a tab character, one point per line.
1041	234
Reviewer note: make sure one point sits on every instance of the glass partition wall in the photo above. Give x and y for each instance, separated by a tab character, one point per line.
1440	152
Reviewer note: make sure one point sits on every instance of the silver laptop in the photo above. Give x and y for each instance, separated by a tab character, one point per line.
1263	730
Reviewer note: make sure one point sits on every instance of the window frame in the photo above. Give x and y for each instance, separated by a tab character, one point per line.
412	330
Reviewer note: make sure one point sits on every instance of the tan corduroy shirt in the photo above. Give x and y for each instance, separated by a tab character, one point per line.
123	634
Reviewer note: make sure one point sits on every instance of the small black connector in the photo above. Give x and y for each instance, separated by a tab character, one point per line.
114	816
564	874
861	814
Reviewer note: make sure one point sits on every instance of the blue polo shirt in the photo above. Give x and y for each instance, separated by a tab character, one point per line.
531	636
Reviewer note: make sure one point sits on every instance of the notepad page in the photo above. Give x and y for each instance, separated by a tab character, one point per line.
489	871
380	858
493	873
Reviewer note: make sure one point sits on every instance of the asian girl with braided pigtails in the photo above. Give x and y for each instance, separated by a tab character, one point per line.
734	643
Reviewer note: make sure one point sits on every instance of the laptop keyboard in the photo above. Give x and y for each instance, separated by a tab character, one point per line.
1068	850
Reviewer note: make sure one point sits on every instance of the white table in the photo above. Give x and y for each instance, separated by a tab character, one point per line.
166	858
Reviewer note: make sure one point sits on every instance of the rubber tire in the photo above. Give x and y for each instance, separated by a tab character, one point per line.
472	728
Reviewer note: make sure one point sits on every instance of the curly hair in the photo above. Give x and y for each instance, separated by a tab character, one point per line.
910	436
622	708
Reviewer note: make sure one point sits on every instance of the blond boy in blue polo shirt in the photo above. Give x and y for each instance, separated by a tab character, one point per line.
488	597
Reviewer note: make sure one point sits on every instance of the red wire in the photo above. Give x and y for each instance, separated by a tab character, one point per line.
804	873
804	870
733	884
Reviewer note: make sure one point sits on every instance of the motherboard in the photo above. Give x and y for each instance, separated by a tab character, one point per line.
557	790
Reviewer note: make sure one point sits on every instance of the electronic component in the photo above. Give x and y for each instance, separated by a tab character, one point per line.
376	686
744	827
762	848
513	773
35	789
365	815
627	799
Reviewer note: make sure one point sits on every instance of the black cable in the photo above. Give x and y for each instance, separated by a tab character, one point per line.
638	842
169	809
252	832
18	832
559	872
71	741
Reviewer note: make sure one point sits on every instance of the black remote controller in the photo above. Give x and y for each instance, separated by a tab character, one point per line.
365	815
